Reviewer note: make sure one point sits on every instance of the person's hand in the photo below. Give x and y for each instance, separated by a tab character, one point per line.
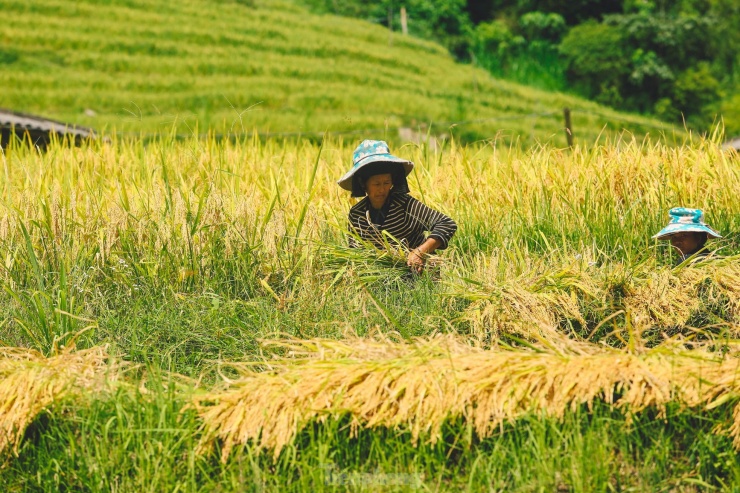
415	260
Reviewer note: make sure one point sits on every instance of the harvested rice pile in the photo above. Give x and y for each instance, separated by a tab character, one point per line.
418	386
31	382
549	303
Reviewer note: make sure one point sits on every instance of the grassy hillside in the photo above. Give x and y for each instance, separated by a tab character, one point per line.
266	65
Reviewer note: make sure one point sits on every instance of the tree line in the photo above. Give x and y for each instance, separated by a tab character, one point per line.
675	60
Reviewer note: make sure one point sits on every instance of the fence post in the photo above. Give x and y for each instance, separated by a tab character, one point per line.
568	127
404	25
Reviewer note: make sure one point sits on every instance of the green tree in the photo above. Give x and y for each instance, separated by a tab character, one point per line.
542	26
596	60
678	41
647	61
573	11
696	93
725	18
444	21
524	51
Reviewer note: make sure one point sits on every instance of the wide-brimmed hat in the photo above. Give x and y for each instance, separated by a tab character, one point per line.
373	157
684	220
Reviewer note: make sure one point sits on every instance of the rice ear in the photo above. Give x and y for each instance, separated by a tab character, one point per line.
418	386
30	383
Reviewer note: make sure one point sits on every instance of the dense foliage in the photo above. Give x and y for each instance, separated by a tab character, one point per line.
679	61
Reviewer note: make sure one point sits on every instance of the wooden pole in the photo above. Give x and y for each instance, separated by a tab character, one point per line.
568	127
404	24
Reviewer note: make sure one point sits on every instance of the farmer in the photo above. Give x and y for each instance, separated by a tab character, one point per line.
687	232
380	178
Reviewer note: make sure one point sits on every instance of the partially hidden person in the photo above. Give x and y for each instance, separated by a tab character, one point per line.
687	233
380	177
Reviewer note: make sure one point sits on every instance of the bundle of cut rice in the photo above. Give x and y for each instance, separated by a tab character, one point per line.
31	382
418	386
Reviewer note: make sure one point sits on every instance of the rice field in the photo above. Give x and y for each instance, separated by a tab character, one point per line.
185	315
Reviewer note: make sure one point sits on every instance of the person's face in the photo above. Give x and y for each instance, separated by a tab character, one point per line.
378	187
688	243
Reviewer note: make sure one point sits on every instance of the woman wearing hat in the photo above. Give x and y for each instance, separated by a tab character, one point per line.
687	232
380	178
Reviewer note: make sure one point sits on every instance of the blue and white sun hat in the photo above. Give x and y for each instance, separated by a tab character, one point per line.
374	157
686	220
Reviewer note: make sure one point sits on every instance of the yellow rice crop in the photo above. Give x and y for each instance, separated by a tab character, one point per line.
95	194
725	287
30	383
418	386
540	302
666	298
531	304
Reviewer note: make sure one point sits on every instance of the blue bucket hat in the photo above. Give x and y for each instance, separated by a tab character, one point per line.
373	157
686	220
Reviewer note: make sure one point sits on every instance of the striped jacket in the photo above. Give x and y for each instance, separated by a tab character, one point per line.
407	220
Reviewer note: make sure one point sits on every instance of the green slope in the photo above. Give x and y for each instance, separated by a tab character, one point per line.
265	65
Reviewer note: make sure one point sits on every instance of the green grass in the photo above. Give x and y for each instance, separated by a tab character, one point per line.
266	66
135	442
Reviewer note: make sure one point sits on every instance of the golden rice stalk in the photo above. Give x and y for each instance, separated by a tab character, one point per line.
665	299
30	382
367	263
534	305
518	311
726	285
418	386
735	428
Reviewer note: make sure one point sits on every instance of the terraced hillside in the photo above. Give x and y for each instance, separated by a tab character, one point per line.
265	65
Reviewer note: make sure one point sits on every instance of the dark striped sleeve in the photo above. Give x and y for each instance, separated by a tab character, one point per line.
440	226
